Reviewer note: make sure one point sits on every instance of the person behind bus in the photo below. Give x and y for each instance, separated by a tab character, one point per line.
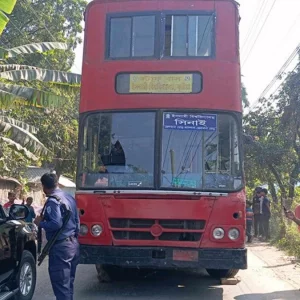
249	221
257	212
31	214
266	214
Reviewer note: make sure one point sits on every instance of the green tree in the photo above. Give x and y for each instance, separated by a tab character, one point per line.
45	21
57	130
37	89
275	156
245	100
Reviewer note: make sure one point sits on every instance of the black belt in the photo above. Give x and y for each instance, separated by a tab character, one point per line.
67	239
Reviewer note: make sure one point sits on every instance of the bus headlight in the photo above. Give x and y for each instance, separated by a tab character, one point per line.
233	234
97	230
218	233
83	230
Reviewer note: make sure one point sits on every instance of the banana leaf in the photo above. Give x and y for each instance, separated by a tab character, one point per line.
31	48
19	123
33	97
42	75
18	148
6	7
23	138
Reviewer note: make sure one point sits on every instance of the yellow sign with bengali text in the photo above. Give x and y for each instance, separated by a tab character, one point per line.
161	83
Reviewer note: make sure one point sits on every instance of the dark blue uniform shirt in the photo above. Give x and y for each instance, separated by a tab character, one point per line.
54	213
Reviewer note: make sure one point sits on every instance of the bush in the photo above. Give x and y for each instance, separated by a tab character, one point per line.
285	233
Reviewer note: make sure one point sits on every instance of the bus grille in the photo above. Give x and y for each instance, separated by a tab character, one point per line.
171	230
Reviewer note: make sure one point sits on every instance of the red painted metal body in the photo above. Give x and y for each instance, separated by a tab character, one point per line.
221	83
216	211
221	92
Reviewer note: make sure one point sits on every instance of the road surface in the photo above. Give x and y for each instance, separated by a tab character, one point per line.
270	276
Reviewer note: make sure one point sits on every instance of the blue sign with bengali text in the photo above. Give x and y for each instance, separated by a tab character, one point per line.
187	121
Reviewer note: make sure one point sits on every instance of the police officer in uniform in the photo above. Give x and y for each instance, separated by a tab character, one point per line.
64	255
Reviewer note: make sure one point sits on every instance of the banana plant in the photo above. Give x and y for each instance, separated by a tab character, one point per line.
12	94
20	137
6	7
14	133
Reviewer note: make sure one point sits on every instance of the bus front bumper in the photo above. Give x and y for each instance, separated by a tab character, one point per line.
166	258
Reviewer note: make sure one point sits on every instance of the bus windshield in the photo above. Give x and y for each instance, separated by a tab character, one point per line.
118	150
198	151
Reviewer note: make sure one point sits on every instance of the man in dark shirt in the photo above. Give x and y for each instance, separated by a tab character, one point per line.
257	212
31	214
64	255
266	214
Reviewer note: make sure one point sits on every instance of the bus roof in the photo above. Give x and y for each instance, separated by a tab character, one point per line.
111	1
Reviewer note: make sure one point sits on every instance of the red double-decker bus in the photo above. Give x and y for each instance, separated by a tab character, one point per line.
160	170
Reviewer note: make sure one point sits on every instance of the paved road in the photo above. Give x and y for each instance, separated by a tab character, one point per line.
261	281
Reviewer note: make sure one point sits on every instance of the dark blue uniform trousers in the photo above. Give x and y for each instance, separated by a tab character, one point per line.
63	261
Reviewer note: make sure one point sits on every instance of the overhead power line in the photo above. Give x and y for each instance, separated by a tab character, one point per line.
278	76
259	33
254	22
280	72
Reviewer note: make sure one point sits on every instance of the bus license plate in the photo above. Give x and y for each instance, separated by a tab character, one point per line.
184	255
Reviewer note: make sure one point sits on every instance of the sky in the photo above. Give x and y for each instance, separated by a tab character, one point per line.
262	55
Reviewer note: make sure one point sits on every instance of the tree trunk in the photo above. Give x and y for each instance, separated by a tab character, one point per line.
279	181
281	185
293	180
272	190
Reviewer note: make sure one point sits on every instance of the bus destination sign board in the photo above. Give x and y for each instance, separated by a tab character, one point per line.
159	83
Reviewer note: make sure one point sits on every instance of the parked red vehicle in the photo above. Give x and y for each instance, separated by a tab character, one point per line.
160	167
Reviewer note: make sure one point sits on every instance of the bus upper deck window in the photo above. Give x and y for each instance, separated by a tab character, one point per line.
132	36
189	35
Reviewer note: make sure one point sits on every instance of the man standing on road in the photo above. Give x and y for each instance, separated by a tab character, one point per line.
257	213
266	214
64	255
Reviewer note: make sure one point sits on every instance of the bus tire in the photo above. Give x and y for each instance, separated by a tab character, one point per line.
222	273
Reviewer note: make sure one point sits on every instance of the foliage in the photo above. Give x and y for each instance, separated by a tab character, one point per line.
57	130
290	240
6	7
44	21
39	81
245	99
31	48
274	156
12	162
11	94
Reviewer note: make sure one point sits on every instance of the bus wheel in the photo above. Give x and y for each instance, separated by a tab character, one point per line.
218	274
108	273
